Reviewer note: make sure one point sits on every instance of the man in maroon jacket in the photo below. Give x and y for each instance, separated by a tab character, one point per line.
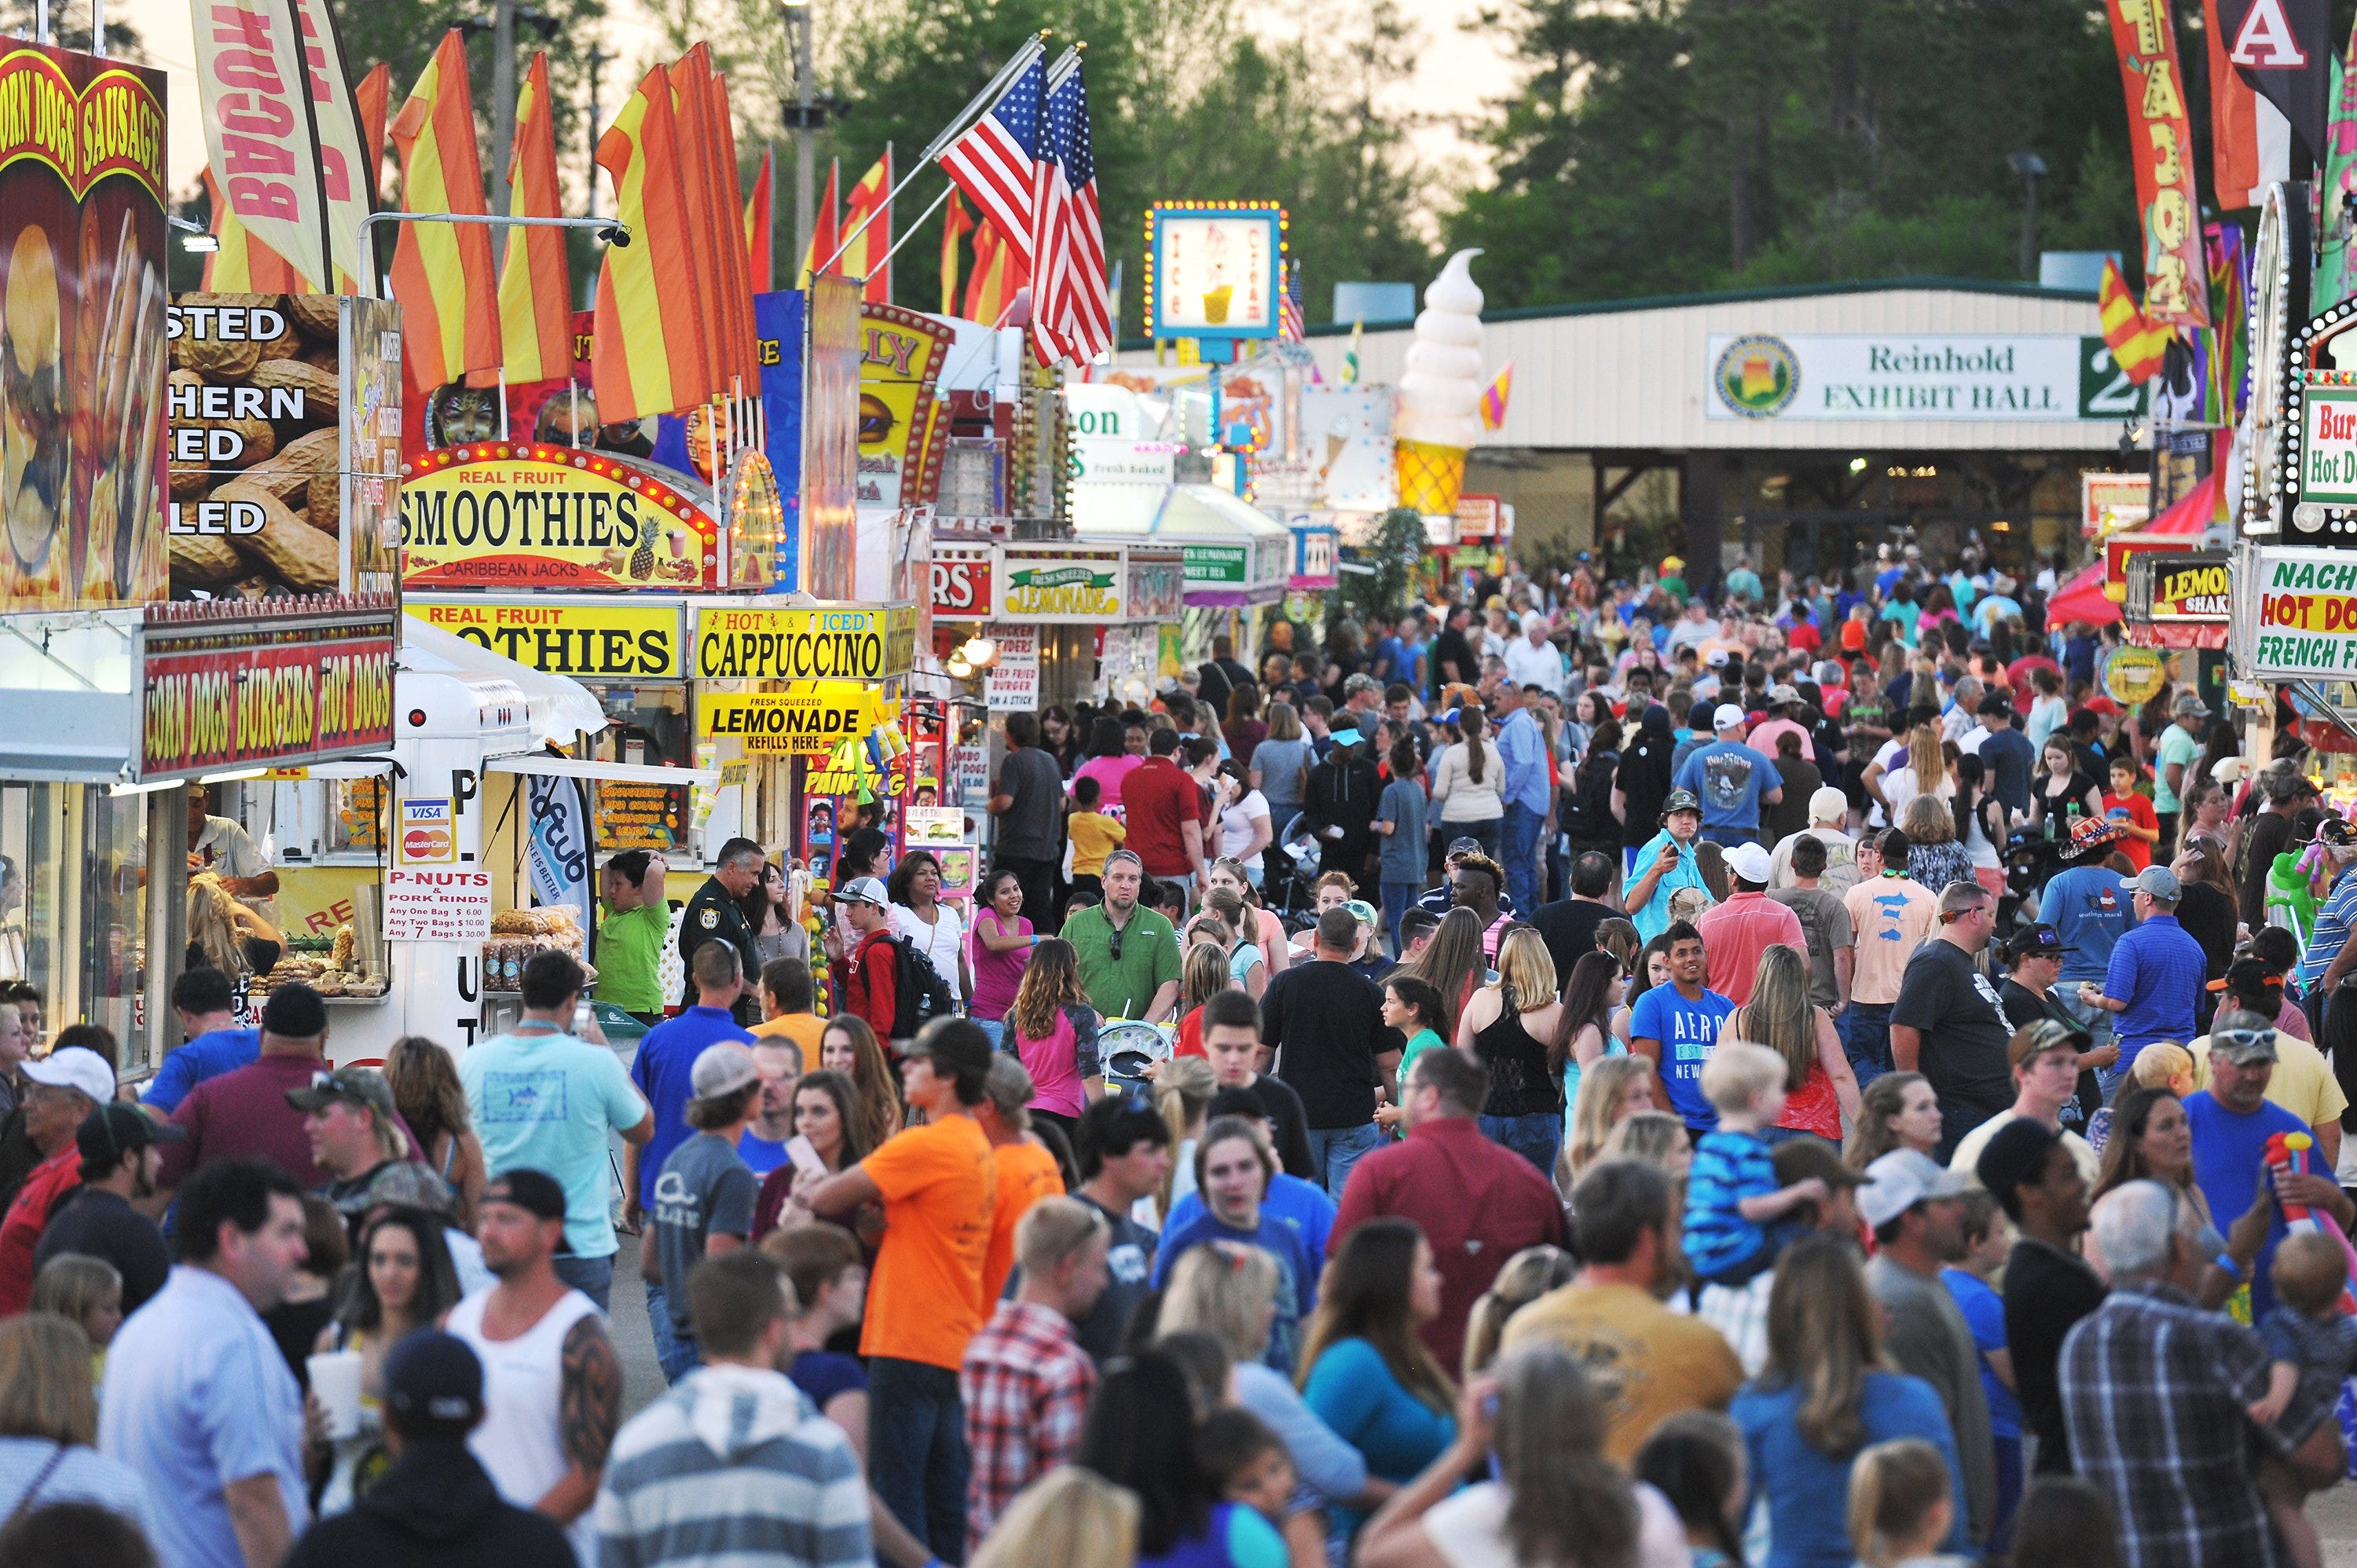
1478	1203
867	976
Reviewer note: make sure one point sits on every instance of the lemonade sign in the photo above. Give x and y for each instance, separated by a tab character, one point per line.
1059	582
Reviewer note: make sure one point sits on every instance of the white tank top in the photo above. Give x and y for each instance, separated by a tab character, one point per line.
523	1385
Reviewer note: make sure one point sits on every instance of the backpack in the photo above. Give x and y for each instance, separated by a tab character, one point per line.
920	994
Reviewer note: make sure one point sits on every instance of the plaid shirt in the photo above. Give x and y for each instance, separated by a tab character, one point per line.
2153	1396
1026	1385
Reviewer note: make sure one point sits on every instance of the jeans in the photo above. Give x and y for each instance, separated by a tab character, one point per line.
1730	837
1489	832
1866	1039
1399	898
917	1457
1336	1149
675	1354
1522	828
1037	880
994	1028
593	1277
1536	1137
2100	1023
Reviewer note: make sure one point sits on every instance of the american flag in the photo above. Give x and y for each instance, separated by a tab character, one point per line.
1290	326
1070	318
996	161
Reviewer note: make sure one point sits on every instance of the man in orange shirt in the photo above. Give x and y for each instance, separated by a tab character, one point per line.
1892	914
786	1003
1737	931
939	1186
1027	1170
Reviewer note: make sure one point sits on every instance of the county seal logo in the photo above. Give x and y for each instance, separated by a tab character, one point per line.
1757	377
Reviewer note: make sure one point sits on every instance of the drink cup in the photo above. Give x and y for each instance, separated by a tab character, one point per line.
336	1382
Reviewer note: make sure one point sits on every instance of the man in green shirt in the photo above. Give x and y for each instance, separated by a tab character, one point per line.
633	919
2174	758
1128	955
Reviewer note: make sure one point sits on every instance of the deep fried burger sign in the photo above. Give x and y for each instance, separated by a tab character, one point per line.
81	331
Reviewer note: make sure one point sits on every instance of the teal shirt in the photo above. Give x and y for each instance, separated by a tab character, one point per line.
630	944
1149	959
548	1102
1353	1389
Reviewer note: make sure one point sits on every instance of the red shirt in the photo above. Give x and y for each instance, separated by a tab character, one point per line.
1733	935
867	981
1161	800
2139	810
29	1216
244	1114
1478	1202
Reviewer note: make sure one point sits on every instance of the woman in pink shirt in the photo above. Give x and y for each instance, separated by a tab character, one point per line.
1115	752
1002	946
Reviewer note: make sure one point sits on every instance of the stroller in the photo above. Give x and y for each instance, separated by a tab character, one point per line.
1295	903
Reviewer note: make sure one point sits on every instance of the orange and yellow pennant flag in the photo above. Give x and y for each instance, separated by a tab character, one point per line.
374	99
743	357
240	262
864	255
822	239
1494	396
998	275
442	273
691	108
536	285
956	222
2138	344
761	223
647	354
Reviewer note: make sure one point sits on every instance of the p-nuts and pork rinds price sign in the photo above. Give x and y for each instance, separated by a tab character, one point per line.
451	904
2307	620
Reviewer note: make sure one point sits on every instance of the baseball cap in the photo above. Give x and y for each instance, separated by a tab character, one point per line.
1464	846
1363	911
1343	735
1901	1180
863	890
115	1130
2039	942
2243	1046
353	1085
2251	980
1781	694
2191	705
1672	564
2157	880
1828	805
1748	860
958	1045
1717	659
434	1384
2089	834
2100	704
535	1192
295	1012
2017	1154
722	1067
1727	716
2044	1035
1798	1159
1679	800
76	1067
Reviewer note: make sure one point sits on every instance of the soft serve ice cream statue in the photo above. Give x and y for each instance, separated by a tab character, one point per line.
1439	412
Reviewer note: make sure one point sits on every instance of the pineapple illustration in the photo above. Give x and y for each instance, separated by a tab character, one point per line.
643	559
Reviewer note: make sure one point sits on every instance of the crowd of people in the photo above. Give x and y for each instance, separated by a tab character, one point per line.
1788	1075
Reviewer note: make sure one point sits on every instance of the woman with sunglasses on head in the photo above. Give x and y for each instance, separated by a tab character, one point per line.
827	1119
1267	931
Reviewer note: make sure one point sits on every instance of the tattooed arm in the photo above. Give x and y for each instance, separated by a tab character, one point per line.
590	1411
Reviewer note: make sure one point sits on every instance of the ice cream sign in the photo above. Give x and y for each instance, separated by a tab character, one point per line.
1211	269
2328	448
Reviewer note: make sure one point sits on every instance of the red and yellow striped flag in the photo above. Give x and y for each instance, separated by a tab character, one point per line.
535	286
743	358
863	255
442	273
822	232
240	262
998	273
2138	344
647	356
690	107
956	222
374	99
761	224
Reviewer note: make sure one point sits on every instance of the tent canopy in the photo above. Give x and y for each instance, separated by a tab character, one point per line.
560	704
2082	598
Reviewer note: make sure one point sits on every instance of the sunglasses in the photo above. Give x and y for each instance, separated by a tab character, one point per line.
1112	948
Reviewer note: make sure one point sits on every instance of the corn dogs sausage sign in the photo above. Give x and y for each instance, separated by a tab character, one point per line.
520	515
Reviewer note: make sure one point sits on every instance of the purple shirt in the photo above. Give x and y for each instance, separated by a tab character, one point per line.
244	1113
997	975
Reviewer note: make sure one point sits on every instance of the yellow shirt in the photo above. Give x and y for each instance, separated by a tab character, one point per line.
1094	836
1648	1362
802	1030
2302	1082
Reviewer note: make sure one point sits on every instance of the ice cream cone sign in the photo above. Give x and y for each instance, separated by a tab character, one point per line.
1439	412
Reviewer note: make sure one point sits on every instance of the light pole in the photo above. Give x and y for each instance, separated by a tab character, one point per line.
2031	168
802	118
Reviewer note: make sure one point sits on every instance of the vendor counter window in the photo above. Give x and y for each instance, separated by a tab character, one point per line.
646	725
74	877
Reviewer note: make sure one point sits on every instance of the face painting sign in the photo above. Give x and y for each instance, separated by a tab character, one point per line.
81	331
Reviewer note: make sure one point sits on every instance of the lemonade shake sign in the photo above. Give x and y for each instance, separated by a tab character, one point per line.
1869	376
2307	621
1062	582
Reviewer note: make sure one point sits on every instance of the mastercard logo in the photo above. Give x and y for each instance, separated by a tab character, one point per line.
426	844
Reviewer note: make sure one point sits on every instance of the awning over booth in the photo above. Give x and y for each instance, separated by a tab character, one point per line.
2082	598
1237	553
560	704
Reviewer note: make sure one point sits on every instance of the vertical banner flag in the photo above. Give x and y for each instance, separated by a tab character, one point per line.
2136	344
2250	140
344	171
240	262
996	160
761	224
645	355
2229	307
1290	324
536	285
691	108
260	134
1069	316
862	253
2336	190
1495	396
559	845
442	273
2282	49
955	222
822	230
744	353
2175	280
372	99
998	275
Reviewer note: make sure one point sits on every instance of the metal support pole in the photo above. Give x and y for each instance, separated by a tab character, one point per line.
612	231
798	18
503	107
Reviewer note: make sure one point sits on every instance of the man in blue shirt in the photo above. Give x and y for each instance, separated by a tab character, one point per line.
1677	1025
2006	753
2090	914
1732	780
1522	747
2156	974
2232	1121
205	1005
